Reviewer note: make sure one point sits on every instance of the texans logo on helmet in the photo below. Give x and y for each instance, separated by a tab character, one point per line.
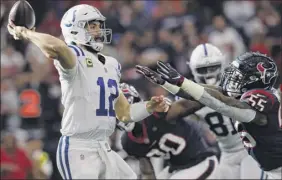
266	75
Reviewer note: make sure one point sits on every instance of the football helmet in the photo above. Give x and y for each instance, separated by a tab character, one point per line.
132	96
251	70
206	64
130	93
76	23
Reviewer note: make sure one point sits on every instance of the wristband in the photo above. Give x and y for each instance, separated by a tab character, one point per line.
194	89
173	89
138	111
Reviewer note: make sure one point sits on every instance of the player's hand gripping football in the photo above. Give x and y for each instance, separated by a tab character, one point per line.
156	104
150	74
169	74
17	31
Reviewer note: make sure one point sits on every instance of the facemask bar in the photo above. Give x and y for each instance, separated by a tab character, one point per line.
232	81
208	74
103	35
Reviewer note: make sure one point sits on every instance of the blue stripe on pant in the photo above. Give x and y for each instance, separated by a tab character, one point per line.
63	151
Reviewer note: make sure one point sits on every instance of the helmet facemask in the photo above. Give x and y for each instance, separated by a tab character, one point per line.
235	83
208	74
232	82
96	34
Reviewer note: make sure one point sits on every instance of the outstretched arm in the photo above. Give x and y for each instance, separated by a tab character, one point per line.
51	46
178	109
182	108
126	112
212	98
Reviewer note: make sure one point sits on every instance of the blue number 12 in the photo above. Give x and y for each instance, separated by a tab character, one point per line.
102	111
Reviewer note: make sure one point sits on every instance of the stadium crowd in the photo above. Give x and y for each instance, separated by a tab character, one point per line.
143	32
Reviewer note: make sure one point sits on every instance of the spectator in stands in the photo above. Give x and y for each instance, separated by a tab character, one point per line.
42	165
15	164
226	38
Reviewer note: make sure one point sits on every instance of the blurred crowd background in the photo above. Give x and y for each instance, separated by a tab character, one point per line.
143	32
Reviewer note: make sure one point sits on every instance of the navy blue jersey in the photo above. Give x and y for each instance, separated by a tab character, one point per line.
182	142
264	143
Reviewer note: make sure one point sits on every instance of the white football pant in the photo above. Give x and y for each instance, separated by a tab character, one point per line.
274	174
89	159
204	170
250	169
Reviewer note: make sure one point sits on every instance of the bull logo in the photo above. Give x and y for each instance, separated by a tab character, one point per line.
267	73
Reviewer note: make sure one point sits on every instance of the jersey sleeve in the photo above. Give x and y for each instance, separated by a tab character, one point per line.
261	100
69	74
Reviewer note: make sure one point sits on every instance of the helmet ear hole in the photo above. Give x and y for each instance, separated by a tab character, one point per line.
74	32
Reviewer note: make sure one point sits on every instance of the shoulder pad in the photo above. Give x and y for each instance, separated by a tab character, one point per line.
262	100
76	50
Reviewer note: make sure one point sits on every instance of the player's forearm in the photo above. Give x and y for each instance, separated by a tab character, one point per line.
51	47
48	44
177	91
216	100
182	108
134	112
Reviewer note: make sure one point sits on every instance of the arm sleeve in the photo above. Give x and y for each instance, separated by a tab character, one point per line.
69	74
214	99
235	109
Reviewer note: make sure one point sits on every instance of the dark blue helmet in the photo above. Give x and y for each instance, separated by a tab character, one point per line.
251	70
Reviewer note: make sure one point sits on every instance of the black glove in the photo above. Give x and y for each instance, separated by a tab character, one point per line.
150	74
169	74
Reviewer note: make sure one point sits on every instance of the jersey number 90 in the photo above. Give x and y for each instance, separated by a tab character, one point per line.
169	143
102	111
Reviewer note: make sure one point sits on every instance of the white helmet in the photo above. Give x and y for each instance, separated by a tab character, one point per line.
206	64
75	21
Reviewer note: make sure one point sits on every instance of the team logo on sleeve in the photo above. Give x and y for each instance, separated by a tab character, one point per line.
89	62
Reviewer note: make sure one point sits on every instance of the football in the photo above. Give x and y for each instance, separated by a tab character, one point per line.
22	14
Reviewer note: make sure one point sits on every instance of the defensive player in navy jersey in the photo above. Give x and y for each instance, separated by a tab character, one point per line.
246	95
184	143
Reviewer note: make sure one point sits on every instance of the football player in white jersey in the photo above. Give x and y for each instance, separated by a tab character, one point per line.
207	63
90	95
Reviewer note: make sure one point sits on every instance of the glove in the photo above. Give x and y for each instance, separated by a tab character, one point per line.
150	74
169	74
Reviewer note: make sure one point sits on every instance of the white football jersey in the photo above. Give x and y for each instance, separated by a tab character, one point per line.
228	138
89	93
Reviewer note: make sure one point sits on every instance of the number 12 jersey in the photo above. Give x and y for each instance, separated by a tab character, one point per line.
89	93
